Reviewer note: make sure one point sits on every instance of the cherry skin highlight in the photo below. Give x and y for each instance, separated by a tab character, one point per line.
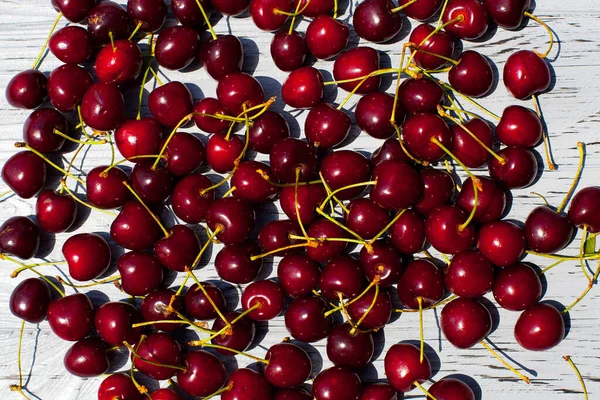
288	51
20	236
337	383
517	287
403	367
540	328
465	322
29	300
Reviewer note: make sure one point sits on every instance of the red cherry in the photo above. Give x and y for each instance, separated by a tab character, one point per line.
105	18
165	394
292	393
501	242
230	7
74	11
29	300
119	63
309	197
438	189
113	322
67	85
420	95
321	229
27	89
403	367
326	126
268	294
189	202
342	276
547	231
170	102
465	322
118	387
305	319
517	287
205	374
441	43
103	107
275	235
141	273
298	275
107	190
373	114
491	200
223	55
158	348
154	308
472	75
134	228
197	304
209	105
389	150
466	148
266	130
519	127
177	47
444	230
178	251
585	210
518	171
352	350
356	63
237	89
418	132
87	358
407	234
337	383
540	328
303	88
288	366
246	384
24	173
398	185
326	36
450	388
525	74
188	13
421	279
373	20
508	14
221	153
382	262
474	21
314	8
336	170
154	186
71	44
138	137
233	217
469	275
291	154
288	50
87	255
150	13
71	317
239	337
421	11
19	236
184	153
234	263
366	218
379	391
266	16
380	309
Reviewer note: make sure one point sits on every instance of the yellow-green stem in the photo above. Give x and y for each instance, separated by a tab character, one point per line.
154	217
36	63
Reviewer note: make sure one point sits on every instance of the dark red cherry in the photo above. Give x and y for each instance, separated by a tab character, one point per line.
71	317
87	255
154	186
208	124
178	251
233	217
266	14
292	393
585	209
134	228
321	229
381	261
421	279
342	276
118	387
525	74
326	36
204	374
234	262
314	8
170	103
491	200
288	51
305	319
466	148
407	234
337	173
444	230
403	367
289	155
438	189
266	130
356	63
239	337
303	88
27	89
465	322
469	275
184	153
474	22
141	273
501	242
547	231
309	197
67	85
120	63
107	190
158	348
508	14
29	300
246	384
326	126
87	358
422	10
441	43
71	44
237	89
176	47
389	150
222	56
20	237
189	201
420	95
222	152
165	394
519	169
337	383
113	322
298	275
137	137
24	173
349	349
74	11
519	127
188	13
517	287
39	130
105	18
379	391
451	389
289	365
155	308
150	13
378	309
366	218
373	113
275	235
472	75
540	328
398	185
230	7
418	133
197	304
268	295
103	107
373	20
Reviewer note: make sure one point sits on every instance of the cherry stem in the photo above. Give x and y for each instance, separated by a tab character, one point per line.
421	388
437	71
448	59
590	256
296	204
137	28
221	117
440	19
436	305
230	191
20	145
361	80
94	283
158	80
329	192
438	28
340	225
141	388
37	63
343	310
335	8
226	329
77	199
375	282
216	346
6	192
547	28
104	173
209	240
368	310
296	14
548	268
141	95
563	204
184	120
578	373
69	138
582	263
31	267
458	109
208	24
547	150
354	185
507	365
394	10
541	197
210	300
19	387
327	239
396	92
112	41
388	226
154	217
421	334
405	150
220	391
199	325
135	353
264	107
270	253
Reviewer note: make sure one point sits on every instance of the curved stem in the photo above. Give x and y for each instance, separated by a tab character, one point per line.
210	300
546	137
405	150
421	335
114	164
298	12
541	197
136	354
550	34
394	10
367	311
338	224
36	63
421	388
216	346
375	282
141	95
388	226
329	193
354	185
507	365
549	267
95	283
295	15
205	246
75	155
226	328
69	138
572	364
270	253
77	199
141	388
19	387
439	22
154	217
172	321
296	204
581	252
184	120
31	267
208	24
396	92
43	157
328	239
362	81
360	78
335	8
220	391
438	28
563	204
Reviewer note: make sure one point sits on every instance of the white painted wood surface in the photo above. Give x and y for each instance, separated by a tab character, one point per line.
572	112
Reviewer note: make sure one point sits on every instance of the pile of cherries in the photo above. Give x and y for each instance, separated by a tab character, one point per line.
390	207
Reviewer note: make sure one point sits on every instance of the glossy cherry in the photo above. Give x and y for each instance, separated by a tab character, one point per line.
71	44
87	255
87	358
246	384
474	22
154	186
74	11
381	261
165	394
105	18
303	88
288	51
337	383
322	229
205	374
472	75
154	308
141	273
267	130
346	349
298	275
239	337
326	126
119	63
398	185
403	367
275	235
67	85
519	127
547	231
106	190
441	43
170	102
585	209
438	189
508	14
450	388
208	124
158	348
517	287
376	311
314	8
150	13
24	173
118	386
29	300
407	234
188	200
134	228
268	295
373	113
326	36
233	217
197	304
39	130
234	263
289	365
113	322
444	230
518	171
221	152
389	150
491	200
540	328
309	197
525	74
421	279
469	274
291	154
465	322
223	55
501	242
337	174
366	218
356	63
188	13
178	251
305	319
237	89
265	13
19	236
103	107
373	20
176	47
420	95
184	153
137	137
71	317
341	276
418	133
27	89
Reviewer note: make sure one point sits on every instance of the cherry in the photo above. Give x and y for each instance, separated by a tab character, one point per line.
222	152
141	273
519	127
403	367
326	126
438	189
421	279
337	383
230	7
584	210
303	88
526	74
382	262
184	153
348	349
113	322
237	89
265	13
150	13
444	230
472	75
246	384
233	217
450	388
29	300
441	43
320	230
71	44
24	173
27	89
234	262
421	11
105	18
288	365
337	174
170	102
366	218
176	47
491	200
39	127
178	251
197	304
107	190
378	310
501	242
474	22
67	85
222	56
155	307
418	133
289	155
165	394
305	319
189	202
71	317
275	236
103	107
19	236
158	348
309	197
469	275
508	14
74	11
210	105
298	275
547	231
205	374
292	393
517	287
152	185
134	228
87	358
118	387
314	8
420	95
119	63
373	20
389	150
137	137
326	36
341	276
398	185
188	13
407	234
356	63
373	114
465	322
266	130
268	295
87	255
288	50
518	171
540	328
239	337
